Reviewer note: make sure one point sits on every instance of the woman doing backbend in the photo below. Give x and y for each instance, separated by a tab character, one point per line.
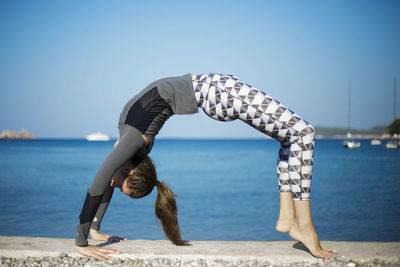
224	98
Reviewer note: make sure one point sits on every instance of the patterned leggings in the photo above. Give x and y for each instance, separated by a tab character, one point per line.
225	98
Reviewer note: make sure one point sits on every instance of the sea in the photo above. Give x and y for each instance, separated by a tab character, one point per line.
225	190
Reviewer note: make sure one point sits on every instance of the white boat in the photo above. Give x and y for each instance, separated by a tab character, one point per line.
392	144
97	137
376	142
351	144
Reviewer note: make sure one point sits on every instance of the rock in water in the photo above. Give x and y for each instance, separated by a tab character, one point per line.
23	134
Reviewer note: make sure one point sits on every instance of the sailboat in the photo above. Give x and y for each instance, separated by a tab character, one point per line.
350	143
394	143
376	142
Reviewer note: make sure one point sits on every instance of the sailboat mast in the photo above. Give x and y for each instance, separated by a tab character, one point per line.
394	100
349	106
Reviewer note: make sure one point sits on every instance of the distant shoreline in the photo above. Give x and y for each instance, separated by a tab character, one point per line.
377	132
354	136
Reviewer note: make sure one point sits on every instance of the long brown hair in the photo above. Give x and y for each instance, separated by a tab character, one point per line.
141	183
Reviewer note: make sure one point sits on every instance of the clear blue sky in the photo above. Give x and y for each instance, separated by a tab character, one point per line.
68	67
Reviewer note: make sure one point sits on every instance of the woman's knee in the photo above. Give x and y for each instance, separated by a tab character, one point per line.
311	130
308	136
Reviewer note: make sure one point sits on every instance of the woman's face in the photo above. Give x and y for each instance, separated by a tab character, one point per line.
119	177
124	188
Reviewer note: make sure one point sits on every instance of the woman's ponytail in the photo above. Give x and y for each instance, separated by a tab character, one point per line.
167	212
141	183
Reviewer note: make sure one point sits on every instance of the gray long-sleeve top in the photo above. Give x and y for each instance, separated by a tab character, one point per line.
177	91
158	101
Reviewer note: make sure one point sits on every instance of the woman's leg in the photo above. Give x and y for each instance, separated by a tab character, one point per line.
300	165
286	210
224	98
295	166
303	230
287	215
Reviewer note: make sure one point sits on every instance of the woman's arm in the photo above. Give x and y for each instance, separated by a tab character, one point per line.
124	171
105	201
130	144
95	226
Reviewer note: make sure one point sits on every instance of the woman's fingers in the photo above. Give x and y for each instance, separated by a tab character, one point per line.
98	256
107	250
102	256
89	251
101	253
97	252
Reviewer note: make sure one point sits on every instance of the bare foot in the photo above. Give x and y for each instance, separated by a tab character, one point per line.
310	239
284	224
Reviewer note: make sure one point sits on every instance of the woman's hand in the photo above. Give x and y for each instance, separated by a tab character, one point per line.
97	236
97	252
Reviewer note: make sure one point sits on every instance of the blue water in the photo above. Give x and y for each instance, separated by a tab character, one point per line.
227	190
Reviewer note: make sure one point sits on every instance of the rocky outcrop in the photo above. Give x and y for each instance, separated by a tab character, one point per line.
23	134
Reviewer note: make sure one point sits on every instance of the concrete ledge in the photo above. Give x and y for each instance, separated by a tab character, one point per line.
210	252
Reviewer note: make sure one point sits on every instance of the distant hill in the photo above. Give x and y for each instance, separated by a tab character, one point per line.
377	130
23	134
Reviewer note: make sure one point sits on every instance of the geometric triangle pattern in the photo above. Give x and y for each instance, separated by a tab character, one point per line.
224	97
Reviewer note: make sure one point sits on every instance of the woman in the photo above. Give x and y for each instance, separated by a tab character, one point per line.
224	98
